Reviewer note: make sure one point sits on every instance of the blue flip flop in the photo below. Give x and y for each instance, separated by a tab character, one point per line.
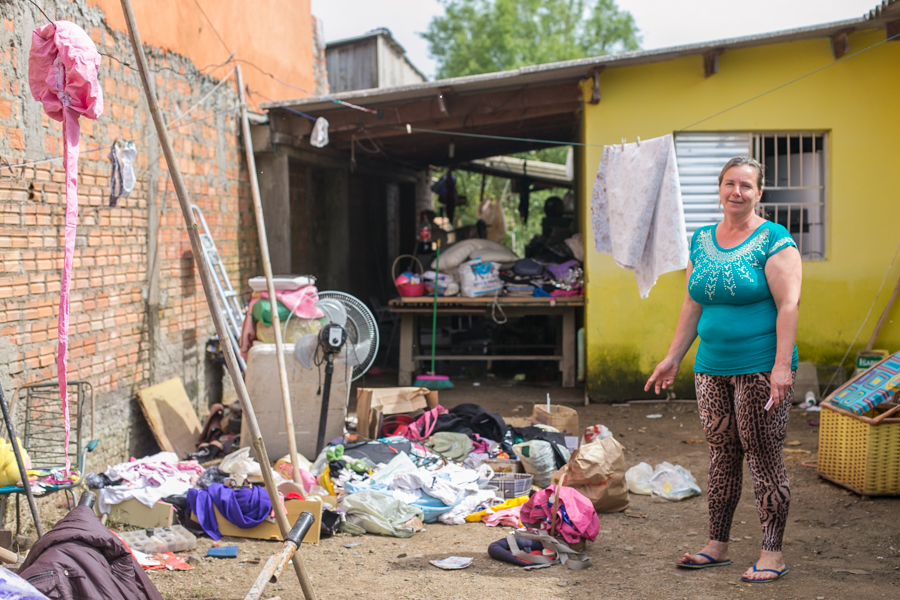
778	575
712	563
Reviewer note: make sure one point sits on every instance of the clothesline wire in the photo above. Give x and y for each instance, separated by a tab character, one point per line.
813	72
203	99
208	20
288	108
49	20
410	129
149	135
305	91
864	321
159	70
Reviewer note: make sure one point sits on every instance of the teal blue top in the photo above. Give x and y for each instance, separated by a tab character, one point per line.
737	326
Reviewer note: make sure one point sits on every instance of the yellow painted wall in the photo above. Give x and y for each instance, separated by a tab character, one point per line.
855	102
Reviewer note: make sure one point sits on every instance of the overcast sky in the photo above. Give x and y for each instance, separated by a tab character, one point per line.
662	22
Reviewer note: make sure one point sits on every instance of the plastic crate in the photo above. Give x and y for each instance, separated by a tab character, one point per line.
858	454
160	539
512	485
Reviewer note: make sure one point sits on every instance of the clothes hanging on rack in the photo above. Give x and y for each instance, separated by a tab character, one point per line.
62	73
636	210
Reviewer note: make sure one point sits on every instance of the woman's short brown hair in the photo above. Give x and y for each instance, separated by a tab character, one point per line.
745	161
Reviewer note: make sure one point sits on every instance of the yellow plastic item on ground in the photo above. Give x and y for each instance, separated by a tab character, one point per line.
9	469
476	516
325	481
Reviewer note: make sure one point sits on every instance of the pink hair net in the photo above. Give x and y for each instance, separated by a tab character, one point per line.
62	73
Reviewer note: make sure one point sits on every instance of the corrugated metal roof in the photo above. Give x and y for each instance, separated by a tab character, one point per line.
578	69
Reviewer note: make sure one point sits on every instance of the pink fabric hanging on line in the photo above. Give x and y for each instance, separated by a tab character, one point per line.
62	72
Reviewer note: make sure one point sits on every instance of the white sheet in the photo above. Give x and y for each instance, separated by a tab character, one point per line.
636	210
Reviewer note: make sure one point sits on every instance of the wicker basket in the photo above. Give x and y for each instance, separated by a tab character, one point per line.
505	465
408	290
858	452
512	485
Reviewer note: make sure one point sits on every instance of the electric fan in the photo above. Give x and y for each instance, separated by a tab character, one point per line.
350	332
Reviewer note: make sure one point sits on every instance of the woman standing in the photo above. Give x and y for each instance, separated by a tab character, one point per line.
743	295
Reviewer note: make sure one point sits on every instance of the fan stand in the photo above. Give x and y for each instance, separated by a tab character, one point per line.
326	393
331	340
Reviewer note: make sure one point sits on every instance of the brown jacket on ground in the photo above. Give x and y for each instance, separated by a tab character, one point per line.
80	559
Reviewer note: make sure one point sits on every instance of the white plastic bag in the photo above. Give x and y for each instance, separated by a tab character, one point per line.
447	284
638	479
673	482
479	278
668	481
319	135
377	513
539	460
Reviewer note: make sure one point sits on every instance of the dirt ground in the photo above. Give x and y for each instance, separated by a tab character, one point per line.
830	531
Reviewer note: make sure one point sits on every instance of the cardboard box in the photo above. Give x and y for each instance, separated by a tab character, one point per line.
563	418
268	530
372	403
137	514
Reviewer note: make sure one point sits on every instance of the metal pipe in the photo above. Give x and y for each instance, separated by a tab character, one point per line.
276	563
207	280
270	284
26	485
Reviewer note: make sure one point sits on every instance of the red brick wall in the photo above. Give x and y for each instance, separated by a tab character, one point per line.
109	333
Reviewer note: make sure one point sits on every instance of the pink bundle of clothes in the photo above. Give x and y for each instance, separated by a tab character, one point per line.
575	517
62	74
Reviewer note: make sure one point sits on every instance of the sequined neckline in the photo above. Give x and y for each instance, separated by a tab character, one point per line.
749	238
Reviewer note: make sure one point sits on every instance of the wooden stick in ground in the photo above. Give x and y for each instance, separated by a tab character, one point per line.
884	316
270	284
206	279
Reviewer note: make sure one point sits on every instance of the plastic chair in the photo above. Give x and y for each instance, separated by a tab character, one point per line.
43	434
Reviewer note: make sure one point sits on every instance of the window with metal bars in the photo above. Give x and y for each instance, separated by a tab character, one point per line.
794	191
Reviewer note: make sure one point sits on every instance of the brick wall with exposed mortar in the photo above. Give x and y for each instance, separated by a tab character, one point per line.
111	332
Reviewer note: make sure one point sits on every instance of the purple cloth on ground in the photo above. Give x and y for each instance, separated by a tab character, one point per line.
244	507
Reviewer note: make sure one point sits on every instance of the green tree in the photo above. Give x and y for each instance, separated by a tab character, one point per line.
484	36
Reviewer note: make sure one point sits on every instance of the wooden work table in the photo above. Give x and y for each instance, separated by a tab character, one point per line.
409	309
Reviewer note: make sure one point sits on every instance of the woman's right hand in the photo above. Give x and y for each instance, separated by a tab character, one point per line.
663	375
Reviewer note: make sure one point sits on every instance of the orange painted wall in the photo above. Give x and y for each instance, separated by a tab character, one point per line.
275	35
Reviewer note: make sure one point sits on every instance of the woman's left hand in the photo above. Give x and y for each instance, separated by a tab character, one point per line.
780	382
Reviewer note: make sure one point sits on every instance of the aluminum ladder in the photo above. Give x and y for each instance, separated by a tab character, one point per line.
227	300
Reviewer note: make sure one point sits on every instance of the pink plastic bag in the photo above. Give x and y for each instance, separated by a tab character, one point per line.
62	74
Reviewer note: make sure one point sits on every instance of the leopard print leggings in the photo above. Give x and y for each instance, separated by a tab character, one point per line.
737	424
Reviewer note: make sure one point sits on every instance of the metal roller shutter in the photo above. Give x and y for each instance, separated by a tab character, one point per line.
700	158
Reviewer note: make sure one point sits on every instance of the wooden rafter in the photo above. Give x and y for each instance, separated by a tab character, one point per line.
711	62
840	43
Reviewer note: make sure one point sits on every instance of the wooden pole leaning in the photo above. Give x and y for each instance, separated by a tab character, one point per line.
270	284
208	290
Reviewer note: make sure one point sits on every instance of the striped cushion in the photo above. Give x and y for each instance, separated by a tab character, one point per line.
871	388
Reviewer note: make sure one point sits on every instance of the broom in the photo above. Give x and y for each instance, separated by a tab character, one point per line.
430	380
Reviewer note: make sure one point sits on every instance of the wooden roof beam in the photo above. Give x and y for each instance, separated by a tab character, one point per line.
711	61
840	43
522	99
470	122
594	75
892	29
